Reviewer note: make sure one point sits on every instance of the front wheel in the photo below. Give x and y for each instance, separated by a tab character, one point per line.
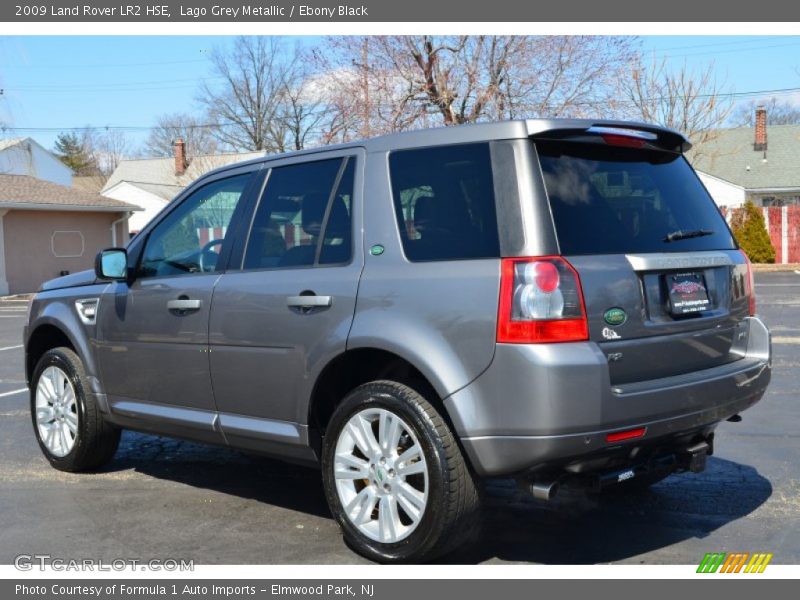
394	476
69	427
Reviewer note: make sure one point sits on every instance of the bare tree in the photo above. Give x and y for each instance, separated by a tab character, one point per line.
779	112
113	146
403	82
247	105
196	134
694	103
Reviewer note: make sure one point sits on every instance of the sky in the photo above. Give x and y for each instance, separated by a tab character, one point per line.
51	83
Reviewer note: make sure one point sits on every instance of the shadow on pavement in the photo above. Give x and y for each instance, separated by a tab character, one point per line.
223	470
576	529
573	529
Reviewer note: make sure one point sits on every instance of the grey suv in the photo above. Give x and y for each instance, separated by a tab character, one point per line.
558	301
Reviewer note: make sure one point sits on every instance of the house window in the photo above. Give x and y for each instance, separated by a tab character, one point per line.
779	201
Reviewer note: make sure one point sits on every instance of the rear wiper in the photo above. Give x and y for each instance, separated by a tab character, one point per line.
674	236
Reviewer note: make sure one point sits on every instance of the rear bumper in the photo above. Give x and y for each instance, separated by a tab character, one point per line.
539	405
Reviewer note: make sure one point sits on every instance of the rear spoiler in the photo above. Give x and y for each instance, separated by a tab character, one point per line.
590	131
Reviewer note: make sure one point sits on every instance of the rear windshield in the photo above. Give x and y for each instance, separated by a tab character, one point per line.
613	200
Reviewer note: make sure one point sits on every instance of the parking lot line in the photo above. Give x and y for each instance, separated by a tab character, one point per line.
11	393
10	348
785	339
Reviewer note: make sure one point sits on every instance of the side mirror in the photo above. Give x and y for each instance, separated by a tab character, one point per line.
112	263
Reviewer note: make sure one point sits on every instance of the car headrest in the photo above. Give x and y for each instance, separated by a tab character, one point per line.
440	214
314	212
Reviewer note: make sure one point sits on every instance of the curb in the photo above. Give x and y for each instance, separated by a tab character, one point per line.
779	268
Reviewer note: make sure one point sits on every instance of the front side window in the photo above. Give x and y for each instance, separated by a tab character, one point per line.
190	239
444	202
304	216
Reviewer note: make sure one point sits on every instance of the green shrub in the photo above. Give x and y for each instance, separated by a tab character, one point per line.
750	231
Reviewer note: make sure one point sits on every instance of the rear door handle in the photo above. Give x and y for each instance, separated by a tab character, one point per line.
308	301
184	305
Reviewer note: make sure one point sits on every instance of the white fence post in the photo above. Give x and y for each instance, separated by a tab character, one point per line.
784	234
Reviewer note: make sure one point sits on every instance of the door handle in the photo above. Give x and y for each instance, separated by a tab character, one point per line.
308	301
184	305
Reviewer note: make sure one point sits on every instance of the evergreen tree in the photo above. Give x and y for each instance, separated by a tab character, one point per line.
751	232
71	150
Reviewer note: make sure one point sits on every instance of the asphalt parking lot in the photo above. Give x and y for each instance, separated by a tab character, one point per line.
167	499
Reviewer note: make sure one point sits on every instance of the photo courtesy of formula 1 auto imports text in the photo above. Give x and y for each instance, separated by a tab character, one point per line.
325	301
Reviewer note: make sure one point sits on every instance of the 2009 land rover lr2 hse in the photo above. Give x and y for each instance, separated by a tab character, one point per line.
558	301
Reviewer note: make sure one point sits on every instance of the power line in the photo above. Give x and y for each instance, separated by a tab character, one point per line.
109	65
325	110
109	86
749	40
733	51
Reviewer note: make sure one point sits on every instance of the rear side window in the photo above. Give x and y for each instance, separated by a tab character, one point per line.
304	216
444	201
615	200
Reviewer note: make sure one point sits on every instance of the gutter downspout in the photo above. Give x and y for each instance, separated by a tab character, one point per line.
125	217
3	281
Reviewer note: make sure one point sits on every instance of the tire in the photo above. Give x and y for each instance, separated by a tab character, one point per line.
69	427
395	529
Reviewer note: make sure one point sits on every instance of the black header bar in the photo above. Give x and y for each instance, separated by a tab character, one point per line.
250	11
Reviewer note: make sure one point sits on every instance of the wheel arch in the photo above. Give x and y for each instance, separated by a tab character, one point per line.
51	332
357	366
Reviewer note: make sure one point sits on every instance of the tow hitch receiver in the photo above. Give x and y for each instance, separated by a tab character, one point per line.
694	457
663	464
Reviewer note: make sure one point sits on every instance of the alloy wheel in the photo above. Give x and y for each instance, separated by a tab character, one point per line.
381	475
56	411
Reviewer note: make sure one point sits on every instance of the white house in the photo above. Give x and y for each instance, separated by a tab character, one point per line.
152	183
24	156
760	162
724	193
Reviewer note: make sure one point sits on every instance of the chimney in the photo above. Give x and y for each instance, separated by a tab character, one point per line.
180	157
761	129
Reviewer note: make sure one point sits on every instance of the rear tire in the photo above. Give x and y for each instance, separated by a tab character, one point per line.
393	508
69	426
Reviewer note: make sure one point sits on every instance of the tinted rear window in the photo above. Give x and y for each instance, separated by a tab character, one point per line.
612	200
444	201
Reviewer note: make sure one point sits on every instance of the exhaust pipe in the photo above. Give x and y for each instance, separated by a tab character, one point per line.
543	490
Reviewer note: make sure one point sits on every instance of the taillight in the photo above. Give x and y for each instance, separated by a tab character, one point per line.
751	285
540	301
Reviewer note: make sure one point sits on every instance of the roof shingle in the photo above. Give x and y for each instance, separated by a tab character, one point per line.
24	189
731	157
157	175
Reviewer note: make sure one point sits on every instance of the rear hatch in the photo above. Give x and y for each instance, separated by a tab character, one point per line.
665	288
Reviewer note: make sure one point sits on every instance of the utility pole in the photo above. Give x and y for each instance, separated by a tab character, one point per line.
365	127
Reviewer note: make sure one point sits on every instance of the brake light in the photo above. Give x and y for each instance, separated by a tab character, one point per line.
540	301
751	285
623	141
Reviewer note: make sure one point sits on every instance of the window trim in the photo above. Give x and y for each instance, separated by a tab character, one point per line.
345	155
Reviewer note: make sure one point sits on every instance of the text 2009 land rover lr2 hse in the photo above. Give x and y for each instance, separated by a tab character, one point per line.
553	300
